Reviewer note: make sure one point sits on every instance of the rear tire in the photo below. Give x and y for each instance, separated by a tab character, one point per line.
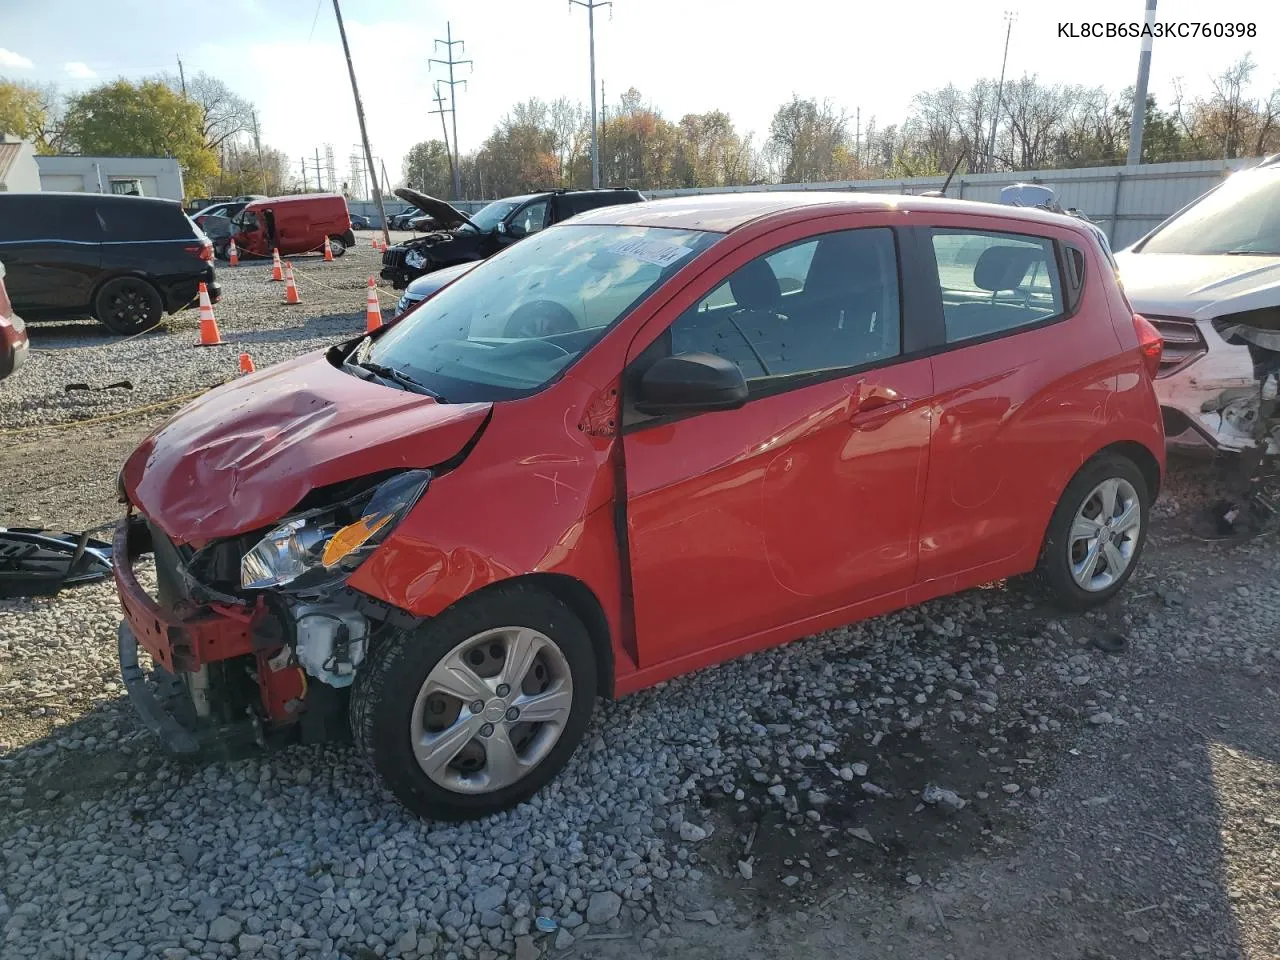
128	305
485	760
1097	533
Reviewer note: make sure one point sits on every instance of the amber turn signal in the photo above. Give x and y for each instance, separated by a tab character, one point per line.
352	537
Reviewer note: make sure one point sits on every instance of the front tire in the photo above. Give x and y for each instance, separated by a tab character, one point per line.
337	245
128	305
1097	533
476	710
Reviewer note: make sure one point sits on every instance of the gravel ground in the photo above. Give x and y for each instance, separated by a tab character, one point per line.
977	777
252	317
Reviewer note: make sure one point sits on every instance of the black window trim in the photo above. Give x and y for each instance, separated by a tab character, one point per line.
764	387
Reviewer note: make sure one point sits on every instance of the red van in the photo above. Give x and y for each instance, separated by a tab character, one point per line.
293	225
637	443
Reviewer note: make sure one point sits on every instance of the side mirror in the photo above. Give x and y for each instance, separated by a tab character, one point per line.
502	227
691	383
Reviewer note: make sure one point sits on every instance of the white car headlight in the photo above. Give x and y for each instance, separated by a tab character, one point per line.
404	304
414	259
323	545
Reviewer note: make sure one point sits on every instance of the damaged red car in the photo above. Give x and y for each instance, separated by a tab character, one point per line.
647	440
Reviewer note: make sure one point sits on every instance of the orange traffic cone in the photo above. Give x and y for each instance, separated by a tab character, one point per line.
209	336
233	254
328	250
374	241
276	274
246	363
290	288
372	309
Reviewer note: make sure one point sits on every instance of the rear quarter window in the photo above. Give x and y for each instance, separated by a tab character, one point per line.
995	283
127	221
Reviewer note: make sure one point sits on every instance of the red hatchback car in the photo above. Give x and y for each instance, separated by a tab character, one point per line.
644	441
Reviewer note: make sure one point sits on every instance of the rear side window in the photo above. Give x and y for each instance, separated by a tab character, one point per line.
32	217
994	283
129	221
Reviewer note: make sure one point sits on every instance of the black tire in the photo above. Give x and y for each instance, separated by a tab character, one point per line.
1053	570
337	245
128	305
388	682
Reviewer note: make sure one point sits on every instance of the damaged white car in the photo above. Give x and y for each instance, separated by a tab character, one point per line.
1208	278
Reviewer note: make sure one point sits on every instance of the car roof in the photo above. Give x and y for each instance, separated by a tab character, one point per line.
726	212
82	197
296	198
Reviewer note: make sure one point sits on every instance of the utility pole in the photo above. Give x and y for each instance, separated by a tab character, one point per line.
591	33
604	123
449	44
182	77
1140	92
304	174
857	143
1009	17
257	140
319	181
364	134
444	131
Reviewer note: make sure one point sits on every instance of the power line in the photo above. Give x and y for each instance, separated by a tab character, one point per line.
591	33
449	43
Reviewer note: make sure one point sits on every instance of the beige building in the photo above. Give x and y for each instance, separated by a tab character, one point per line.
18	170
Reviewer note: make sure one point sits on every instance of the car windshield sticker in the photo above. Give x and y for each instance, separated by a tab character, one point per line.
650	251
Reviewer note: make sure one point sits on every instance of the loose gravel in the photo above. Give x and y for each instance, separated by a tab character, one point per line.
166	363
977	777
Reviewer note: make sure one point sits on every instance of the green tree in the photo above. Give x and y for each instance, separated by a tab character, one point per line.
426	168
146	119
33	113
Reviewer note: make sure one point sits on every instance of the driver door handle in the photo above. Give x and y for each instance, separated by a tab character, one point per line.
875	404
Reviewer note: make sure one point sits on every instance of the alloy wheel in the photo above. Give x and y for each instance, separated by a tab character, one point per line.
491	710
1104	534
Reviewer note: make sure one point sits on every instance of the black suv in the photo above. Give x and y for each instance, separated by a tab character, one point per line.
124	260
465	239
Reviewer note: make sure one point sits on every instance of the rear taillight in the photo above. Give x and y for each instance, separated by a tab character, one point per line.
1150	343
204	251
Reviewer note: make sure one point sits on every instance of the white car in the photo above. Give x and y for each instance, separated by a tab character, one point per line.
1208	278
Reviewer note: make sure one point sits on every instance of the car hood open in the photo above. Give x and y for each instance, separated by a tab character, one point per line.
445	214
1200	287
244	455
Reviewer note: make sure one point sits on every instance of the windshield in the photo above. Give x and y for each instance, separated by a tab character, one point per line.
489	216
1242	216
514	323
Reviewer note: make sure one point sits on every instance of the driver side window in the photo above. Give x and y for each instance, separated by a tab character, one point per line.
824	303
530	219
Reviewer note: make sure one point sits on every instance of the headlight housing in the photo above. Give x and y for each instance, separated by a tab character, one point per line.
415	259
321	546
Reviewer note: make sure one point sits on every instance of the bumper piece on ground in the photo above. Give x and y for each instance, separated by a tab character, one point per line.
150	710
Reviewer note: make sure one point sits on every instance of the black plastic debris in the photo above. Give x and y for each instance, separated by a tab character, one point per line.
118	385
39	563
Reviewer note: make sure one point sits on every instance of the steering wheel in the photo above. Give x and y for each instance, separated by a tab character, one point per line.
540	318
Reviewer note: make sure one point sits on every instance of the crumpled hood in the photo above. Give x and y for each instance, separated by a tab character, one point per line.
245	454
445	214
1199	287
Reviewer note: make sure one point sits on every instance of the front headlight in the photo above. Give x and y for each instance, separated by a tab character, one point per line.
324	545
404	304
414	259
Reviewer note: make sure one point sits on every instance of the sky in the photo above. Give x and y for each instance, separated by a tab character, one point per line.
743	56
